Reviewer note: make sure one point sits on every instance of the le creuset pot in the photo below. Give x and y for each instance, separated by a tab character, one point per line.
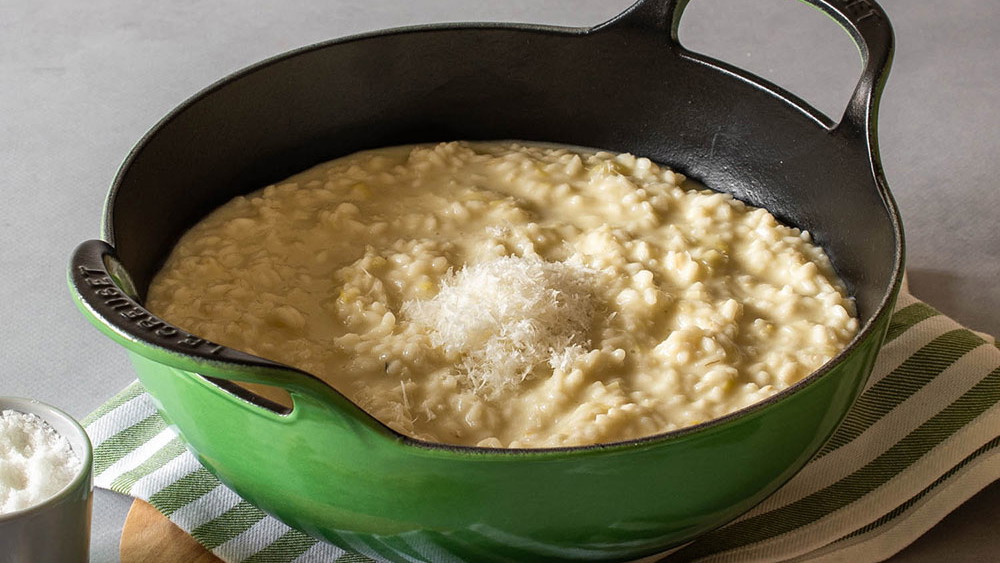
327	467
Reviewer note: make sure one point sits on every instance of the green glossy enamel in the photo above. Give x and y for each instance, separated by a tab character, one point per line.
359	485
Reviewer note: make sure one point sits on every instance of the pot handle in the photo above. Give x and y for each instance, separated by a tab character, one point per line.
864	20
104	293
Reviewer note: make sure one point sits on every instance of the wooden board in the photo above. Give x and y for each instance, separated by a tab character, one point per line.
149	537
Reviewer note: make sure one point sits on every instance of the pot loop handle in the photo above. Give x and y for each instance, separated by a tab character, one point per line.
864	20
104	293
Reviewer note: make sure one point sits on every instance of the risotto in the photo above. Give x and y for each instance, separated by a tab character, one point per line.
512	295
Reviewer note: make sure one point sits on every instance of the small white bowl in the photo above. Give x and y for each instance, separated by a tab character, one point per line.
58	528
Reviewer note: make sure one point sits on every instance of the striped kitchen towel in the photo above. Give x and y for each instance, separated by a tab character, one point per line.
922	438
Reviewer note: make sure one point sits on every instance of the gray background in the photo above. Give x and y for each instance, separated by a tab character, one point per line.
80	82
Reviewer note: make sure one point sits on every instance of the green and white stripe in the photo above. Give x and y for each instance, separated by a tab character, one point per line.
921	439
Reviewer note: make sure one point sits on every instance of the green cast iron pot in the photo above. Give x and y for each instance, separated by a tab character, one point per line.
327	467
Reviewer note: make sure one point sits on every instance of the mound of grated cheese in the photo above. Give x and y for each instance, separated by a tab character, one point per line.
504	318
35	461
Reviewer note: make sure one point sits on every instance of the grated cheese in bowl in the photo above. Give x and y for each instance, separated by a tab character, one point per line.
35	461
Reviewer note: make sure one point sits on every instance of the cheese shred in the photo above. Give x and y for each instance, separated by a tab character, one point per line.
507	318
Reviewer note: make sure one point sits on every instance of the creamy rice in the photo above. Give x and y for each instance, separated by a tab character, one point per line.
603	300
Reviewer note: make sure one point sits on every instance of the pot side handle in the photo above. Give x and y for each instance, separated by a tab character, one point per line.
864	20
103	292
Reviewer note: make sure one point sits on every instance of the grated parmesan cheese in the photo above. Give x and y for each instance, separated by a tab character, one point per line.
35	461
505	318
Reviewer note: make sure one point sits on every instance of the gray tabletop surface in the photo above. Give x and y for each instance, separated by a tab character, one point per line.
80	82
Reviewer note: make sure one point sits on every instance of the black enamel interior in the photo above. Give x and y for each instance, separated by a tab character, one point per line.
621	89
